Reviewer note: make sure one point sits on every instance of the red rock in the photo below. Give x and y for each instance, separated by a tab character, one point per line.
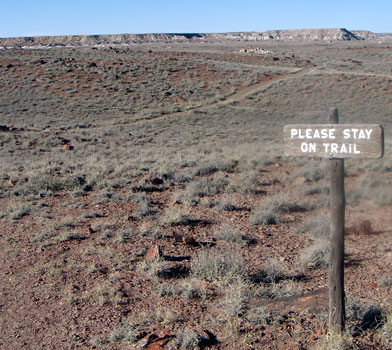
144	342
153	254
155	347
206	338
299	180
159	343
362	228
11	183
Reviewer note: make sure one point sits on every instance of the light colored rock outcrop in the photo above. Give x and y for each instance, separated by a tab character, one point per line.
126	39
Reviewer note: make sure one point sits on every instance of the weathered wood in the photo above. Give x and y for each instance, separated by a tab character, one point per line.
334	140
336	262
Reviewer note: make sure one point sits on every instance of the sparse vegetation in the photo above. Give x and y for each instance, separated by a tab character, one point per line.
107	152
212	265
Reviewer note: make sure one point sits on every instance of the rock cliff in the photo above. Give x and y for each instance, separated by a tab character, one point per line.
126	39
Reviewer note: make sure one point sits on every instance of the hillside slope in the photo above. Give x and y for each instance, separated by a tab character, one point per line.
328	35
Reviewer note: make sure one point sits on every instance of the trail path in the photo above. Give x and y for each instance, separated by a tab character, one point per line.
239	95
274	78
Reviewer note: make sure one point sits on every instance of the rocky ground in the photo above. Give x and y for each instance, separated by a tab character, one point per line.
145	200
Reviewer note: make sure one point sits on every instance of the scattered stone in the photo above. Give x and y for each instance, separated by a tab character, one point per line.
206	338
153	342
144	342
156	181
362	228
68	147
159	344
258	50
174	271
40	62
153	253
65	141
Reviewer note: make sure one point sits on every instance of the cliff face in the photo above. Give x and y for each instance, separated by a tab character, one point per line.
124	39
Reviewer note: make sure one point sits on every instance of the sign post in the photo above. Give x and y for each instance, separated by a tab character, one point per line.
335	141
336	307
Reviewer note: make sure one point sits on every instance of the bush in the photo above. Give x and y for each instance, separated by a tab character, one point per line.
186	339
317	227
175	217
229	234
315	256
269	210
246	183
192	289
213	265
201	188
125	332
312	172
54	184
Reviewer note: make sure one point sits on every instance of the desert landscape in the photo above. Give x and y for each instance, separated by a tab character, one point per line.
146	202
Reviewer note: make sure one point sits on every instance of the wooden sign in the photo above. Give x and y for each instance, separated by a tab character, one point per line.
334	140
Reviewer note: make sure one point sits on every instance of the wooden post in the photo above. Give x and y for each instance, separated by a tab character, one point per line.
335	141
336	263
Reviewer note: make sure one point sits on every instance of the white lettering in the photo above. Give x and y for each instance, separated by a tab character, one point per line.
308	133
308	147
346	133
324	133
355	149
331	133
334	148
316	134
361	134
354	131
368	133
293	132
343	148
326	147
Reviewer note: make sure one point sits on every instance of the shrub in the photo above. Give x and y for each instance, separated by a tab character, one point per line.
315	256
213	265
186	339
192	289
201	188
270	272
270	209
264	217
260	315
175	217
54	184
375	189
246	183
312	190
312	172
317	226
125	332
229	234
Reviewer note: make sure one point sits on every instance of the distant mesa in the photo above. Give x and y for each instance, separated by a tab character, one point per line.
326	35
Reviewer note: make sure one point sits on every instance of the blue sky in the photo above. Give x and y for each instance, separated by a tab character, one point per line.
70	17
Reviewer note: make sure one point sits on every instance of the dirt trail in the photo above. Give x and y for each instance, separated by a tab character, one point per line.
243	93
238	96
